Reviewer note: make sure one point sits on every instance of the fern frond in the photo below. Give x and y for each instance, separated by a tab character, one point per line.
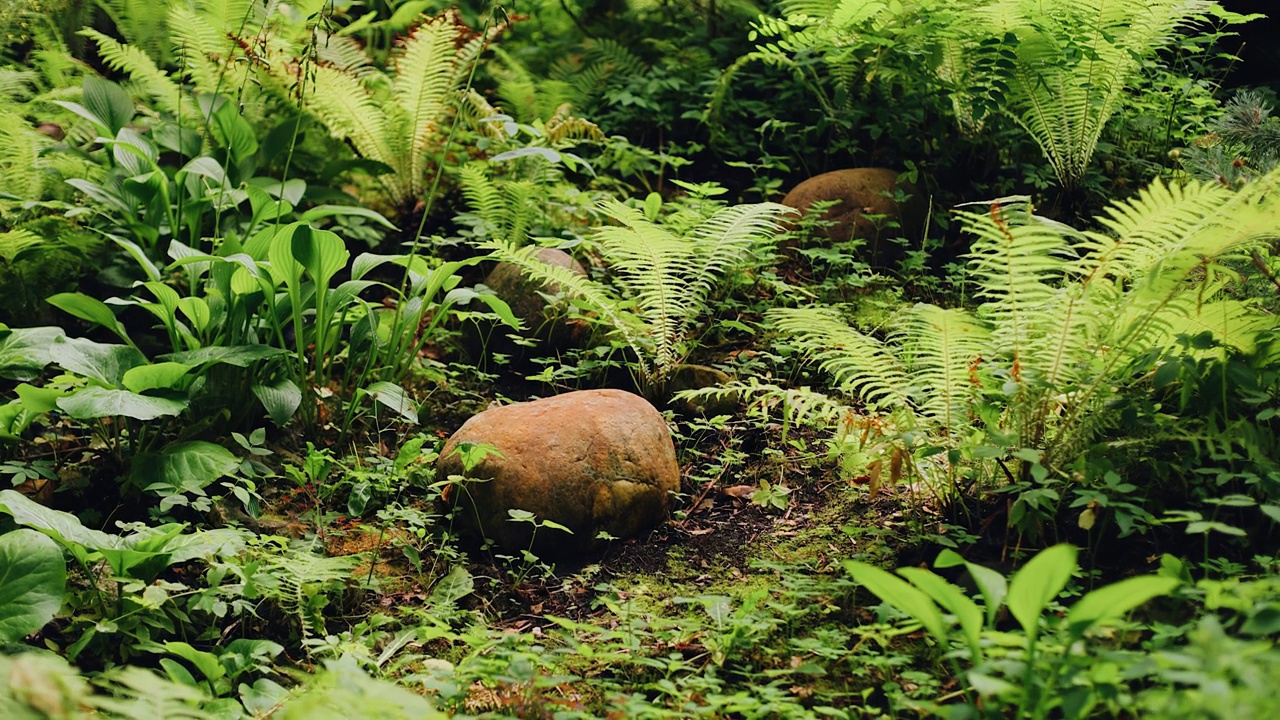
1018	260
301	579
425	69
611	309
139	66
942	349
653	265
729	238
861	365
196	42
484	198
349	111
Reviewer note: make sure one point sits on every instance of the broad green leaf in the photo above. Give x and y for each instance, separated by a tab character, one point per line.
321	253
323	211
1032	588
62	527
107	102
967	612
91	309
990	583
160	376
234	132
96	402
280	399
394	397
237	355
207	663
205	544
140	256
1116	599
33	582
196	310
24	352
453	587
895	592
38	399
183	467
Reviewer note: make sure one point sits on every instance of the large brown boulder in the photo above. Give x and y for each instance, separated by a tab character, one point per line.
860	194
592	460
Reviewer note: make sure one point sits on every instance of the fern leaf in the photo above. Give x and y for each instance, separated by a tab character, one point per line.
861	365
942	348
139	66
653	265
425	70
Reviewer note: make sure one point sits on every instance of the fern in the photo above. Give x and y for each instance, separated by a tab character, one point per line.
300	581
1067	321
666	278
1072	63
862	366
139	66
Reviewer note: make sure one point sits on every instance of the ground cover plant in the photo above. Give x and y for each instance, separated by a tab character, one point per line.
251	262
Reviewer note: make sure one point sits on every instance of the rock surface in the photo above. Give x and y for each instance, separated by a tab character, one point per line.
699	377
859	193
591	460
525	295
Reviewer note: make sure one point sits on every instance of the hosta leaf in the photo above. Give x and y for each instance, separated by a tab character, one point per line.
91	309
160	376
104	363
24	352
280	399
183	467
96	402
1032	588
61	526
394	397
237	355
33	581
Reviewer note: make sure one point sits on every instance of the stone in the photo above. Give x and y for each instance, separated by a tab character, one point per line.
699	377
858	193
526	296
591	460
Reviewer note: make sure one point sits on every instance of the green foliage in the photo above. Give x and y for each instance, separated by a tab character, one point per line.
1043	679
668	274
1067	323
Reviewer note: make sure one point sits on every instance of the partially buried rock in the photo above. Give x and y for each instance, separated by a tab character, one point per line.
542	319
864	206
699	377
594	461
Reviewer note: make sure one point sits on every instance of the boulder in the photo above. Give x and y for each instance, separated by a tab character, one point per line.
591	460
699	377
859	193
527	298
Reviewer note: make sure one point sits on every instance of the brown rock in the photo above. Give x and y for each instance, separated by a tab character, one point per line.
699	377
859	193
591	460
525	295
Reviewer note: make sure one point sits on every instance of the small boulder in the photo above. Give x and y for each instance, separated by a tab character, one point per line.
591	460
859	193
527	297
699	377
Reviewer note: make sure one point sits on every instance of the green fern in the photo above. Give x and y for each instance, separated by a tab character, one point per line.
1072	63
300	582
1067	321
397	118
666	278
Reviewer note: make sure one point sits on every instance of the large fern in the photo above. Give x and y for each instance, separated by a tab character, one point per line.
1071	63
1068	319
665	277
396	118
